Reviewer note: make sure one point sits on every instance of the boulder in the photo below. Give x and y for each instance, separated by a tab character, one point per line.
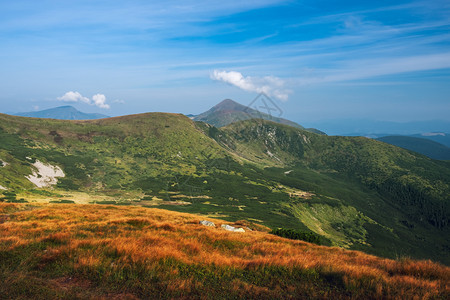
231	228
207	223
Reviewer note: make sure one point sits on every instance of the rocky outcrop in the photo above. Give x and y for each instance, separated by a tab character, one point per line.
231	228
45	174
207	223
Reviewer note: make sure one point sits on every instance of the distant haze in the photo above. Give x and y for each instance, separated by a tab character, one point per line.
368	127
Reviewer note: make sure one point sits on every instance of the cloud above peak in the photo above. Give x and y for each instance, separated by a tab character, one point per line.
73	97
98	100
270	85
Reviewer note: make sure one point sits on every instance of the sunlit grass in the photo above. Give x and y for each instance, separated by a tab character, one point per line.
68	250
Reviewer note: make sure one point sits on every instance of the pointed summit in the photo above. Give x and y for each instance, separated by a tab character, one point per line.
229	111
228	104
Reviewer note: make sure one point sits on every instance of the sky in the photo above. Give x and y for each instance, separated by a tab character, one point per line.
317	60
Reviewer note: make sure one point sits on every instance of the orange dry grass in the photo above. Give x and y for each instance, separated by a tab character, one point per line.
119	237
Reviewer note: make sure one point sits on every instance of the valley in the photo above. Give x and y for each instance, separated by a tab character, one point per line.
224	150
351	192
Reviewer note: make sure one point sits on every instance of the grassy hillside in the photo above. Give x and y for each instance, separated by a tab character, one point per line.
112	153
96	251
354	193
423	146
420	183
353	179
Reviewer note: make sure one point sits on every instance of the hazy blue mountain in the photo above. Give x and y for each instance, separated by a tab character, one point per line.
423	146
364	127
439	137
62	113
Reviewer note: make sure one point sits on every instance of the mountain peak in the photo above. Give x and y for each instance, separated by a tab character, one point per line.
229	111
228	104
66	112
65	107
225	101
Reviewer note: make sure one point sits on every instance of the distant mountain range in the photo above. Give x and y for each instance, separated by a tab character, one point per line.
425	137
364	127
420	145
62	113
439	137
434	145
229	111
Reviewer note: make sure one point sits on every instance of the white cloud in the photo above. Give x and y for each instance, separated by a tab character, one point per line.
270	85
98	100
74	97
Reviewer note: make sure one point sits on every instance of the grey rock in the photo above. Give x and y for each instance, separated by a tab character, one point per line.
207	223
231	228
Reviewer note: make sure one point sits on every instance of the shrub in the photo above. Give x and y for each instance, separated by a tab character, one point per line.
66	201
297	235
9	196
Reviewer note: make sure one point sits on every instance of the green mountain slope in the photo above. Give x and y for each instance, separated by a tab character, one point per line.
355	193
423	146
62	113
387	169
107	153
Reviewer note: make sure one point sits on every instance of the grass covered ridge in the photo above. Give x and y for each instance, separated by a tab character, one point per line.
83	251
277	175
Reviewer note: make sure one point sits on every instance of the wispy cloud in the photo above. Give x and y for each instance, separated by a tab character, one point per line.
270	85
98	100
370	68
142	15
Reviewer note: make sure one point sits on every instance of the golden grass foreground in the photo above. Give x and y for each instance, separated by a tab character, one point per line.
100	251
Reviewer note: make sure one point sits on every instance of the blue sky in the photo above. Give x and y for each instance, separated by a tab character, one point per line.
381	60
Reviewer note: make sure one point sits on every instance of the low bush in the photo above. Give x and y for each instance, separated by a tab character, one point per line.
297	235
